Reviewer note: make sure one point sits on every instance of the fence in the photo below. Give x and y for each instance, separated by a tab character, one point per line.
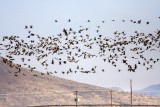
97	105
88	98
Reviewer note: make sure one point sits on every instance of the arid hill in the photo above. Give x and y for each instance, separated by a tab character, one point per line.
32	88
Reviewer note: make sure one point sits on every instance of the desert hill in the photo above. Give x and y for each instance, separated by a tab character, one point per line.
32	88
152	90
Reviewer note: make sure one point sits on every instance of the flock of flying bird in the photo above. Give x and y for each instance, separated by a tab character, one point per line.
72	46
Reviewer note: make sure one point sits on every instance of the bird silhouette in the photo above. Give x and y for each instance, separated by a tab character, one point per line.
76	45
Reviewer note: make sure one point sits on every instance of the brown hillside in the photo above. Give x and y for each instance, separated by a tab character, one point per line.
25	90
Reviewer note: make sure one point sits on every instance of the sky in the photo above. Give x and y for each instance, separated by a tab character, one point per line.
14	15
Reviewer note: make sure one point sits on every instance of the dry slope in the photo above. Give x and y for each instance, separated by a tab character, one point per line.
25	89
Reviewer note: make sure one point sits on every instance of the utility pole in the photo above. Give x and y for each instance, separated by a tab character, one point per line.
111	96
76	99
131	90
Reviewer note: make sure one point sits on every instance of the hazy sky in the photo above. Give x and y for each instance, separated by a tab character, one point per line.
15	14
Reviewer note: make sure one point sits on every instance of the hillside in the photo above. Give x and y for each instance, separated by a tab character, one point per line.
152	90
32	88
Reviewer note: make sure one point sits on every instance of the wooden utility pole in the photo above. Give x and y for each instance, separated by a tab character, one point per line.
131	90
111	96
76	99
